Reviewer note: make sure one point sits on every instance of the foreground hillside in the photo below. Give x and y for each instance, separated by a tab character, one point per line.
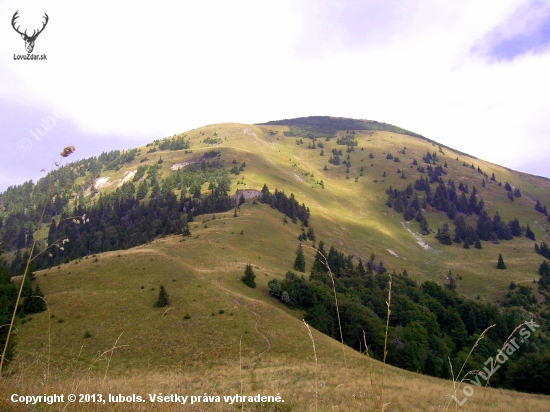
235	340
218	334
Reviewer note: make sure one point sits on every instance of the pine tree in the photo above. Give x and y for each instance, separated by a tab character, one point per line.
443	235
311	234
30	238
478	243
143	188
185	231
34	302
27	286
451	285
21	238
529	234
501	264
163	300
361	268
8	296
249	277
300	261
544	272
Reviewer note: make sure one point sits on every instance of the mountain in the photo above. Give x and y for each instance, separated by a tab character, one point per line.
169	213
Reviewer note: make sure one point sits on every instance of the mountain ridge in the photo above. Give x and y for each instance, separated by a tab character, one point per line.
347	201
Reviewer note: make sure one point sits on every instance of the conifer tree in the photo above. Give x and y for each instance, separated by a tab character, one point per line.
8	296
30	238
501	264
451	285
249	276
163	300
544	272
34	302
300	261
143	188
529	234
443	235
21	238
361	268
478	243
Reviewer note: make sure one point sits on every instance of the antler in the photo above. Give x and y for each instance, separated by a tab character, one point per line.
15	16
35	33
43	26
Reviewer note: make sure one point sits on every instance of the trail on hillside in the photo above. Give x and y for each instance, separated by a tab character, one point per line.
219	285
211	249
258	318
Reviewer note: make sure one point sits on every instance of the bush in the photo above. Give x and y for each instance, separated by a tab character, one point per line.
274	286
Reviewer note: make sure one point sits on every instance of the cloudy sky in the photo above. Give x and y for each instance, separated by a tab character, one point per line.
474	75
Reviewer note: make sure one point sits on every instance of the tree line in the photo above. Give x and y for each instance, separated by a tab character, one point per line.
428	324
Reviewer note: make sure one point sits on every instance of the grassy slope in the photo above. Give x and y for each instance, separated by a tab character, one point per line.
201	274
353	216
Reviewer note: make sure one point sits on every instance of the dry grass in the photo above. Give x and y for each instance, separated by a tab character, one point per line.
315	357
293	379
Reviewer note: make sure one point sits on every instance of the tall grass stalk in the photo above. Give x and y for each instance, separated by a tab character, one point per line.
455	380
66	152
503	346
325	263
368	361
241	368
110	357
382	406
49	336
6	344
315	356
94	361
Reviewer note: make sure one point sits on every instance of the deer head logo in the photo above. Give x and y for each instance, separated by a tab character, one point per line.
29	40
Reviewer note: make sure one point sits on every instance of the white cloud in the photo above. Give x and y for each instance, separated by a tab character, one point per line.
165	67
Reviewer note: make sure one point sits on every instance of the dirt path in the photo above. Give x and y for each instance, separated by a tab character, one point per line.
211	249
258	318
219	285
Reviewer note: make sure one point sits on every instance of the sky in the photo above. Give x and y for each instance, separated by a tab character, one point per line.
472	75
